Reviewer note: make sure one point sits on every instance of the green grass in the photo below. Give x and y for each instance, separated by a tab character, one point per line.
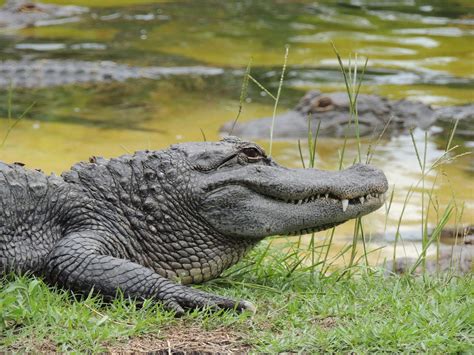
364	314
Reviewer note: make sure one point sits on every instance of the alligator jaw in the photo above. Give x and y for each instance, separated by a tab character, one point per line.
374	200
260	201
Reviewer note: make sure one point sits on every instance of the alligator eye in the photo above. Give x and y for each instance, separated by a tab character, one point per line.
252	153
324	101
322	104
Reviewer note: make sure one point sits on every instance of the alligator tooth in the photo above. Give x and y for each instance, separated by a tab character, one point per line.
361	199
384	196
318	197
326	195
345	203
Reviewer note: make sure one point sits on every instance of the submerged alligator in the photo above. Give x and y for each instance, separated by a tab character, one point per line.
49	72
141	222
21	13
331	113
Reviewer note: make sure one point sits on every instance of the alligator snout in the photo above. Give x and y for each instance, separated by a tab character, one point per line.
360	180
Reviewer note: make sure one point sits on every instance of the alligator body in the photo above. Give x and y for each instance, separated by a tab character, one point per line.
142	222
21	13
48	72
330	112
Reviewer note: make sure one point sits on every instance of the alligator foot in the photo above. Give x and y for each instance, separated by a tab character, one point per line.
191	298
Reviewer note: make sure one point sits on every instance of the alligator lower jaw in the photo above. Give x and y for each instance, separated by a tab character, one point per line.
313	230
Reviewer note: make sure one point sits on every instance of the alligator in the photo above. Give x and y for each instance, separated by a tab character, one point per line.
150	223
330	113
20	13
49	72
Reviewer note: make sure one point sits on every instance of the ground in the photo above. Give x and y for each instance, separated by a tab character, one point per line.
296	311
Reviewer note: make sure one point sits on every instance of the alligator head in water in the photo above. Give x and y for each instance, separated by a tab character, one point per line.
22	13
332	113
139	222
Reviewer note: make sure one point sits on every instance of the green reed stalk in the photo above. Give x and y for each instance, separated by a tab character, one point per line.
277	99
353	83
11	125
243	95
397	233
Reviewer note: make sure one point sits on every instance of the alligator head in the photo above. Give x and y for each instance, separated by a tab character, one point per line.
331	112
241	192
24	13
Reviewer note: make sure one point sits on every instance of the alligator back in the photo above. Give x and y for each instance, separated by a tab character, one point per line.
30	205
49	72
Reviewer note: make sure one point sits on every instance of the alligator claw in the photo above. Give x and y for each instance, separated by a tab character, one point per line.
247	307
189	299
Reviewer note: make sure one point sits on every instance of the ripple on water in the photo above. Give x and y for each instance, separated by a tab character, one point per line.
41	46
406	17
386	51
328	36
436	31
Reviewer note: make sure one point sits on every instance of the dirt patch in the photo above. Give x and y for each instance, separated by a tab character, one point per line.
325	323
32	345
185	339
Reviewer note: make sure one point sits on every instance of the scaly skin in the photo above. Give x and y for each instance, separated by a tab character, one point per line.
330	116
141	222
55	72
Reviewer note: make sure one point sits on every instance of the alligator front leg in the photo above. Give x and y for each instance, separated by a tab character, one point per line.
80	261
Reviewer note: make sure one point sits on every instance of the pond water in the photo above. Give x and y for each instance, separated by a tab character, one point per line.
419	50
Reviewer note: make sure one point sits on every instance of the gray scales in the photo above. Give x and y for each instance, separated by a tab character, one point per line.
331	112
50	72
151	222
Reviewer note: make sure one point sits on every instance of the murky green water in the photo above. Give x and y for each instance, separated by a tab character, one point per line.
421	50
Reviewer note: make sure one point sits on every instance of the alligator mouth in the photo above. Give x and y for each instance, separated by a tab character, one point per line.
345	203
363	199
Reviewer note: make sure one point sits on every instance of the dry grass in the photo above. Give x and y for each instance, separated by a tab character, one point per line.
185	339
